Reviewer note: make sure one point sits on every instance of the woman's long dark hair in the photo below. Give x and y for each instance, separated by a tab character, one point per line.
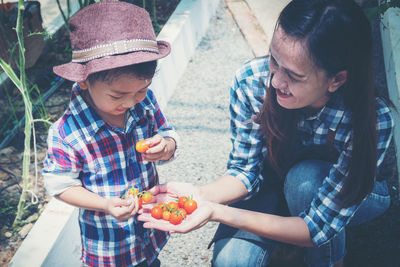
338	37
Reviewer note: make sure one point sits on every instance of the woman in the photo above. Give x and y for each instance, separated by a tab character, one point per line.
308	132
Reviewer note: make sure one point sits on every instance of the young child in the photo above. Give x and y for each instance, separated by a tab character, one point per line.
91	160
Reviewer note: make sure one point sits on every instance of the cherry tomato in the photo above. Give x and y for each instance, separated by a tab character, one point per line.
173	206
175	218
181	201
147	196
157	212
182	212
142	146
166	215
163	206
190	206
133	191
140	202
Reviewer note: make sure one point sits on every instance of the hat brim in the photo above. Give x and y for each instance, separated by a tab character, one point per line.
78	72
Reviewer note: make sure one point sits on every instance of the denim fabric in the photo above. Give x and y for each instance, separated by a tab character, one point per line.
300	187
237	252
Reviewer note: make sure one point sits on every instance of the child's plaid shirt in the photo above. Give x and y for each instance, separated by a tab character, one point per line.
323	217
83	150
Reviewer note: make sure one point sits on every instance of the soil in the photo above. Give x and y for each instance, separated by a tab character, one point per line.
56	51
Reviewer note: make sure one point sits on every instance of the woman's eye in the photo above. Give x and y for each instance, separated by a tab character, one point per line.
292	79
115	97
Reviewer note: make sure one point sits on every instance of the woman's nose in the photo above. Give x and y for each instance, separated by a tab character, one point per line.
278	80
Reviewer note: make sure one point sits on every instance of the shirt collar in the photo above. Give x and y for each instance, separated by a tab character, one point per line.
332	113
88	120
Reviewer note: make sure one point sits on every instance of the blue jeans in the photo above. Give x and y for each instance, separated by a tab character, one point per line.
300	187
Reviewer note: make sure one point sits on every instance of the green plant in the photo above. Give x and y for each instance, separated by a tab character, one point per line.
67	16
29	130
381	8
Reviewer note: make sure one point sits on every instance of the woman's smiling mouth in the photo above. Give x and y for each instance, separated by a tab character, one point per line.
283	93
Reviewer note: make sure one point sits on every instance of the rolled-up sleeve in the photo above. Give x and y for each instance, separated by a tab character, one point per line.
62	165
245	159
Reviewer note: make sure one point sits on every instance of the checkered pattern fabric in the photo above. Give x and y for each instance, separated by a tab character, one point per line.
323	217
84	150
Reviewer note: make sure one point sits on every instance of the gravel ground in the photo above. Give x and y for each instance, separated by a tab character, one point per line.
198	109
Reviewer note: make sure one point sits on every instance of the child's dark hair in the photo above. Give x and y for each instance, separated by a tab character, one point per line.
144	70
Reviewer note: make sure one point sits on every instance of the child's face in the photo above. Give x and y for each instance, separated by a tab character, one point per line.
112	99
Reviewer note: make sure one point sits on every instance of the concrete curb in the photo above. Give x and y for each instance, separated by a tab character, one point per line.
390	31
55	240
249	26
184	30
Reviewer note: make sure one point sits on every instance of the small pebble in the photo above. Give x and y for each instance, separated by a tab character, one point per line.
25	230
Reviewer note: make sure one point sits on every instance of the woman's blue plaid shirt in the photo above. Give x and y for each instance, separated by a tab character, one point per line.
323	217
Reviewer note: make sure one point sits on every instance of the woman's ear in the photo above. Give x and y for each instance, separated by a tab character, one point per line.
84	85
338	80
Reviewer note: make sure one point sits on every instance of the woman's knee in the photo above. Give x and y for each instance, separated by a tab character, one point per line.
302	183
230	252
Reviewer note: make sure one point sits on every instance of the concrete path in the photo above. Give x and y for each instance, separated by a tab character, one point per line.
267	13
198	109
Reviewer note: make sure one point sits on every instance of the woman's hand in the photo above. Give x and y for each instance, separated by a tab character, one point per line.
171	191
197	219
160	148
122	209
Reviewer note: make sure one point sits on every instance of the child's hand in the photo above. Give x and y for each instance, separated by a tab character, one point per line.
160	148
122	209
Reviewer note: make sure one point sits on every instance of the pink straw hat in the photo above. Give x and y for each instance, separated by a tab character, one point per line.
108	35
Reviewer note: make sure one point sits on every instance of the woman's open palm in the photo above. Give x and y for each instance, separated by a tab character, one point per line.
171	191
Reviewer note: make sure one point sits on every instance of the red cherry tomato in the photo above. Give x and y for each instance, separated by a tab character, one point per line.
147	196
140	202
175	218
157	212
181	201
182	212
190	206
133	191
166	215
173	206
142	146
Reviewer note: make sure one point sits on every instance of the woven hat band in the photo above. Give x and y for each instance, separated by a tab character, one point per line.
115	48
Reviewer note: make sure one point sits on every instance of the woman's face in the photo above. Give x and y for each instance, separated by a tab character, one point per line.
298	82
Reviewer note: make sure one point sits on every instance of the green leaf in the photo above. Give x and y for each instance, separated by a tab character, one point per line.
10	73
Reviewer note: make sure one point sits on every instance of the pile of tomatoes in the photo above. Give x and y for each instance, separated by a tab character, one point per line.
174	211
143	196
